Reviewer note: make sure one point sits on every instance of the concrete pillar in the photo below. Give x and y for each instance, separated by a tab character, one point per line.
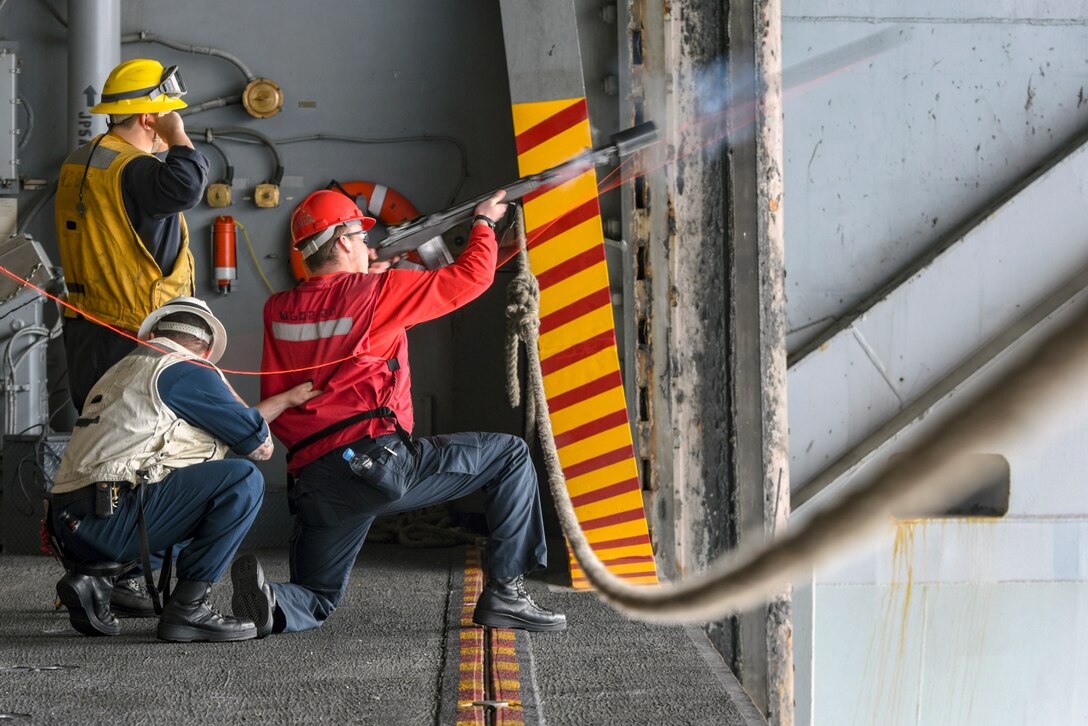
772	340
707	233
763	638
648	229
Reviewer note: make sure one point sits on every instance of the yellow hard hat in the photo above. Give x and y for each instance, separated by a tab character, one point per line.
142	86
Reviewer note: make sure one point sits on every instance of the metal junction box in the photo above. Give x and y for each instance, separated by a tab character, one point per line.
9	131
23	337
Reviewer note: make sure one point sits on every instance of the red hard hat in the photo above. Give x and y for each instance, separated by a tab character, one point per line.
321	211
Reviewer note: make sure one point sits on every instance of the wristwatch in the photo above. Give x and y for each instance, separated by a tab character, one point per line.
486	220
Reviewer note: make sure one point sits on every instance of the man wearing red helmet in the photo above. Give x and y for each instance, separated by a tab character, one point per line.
341	313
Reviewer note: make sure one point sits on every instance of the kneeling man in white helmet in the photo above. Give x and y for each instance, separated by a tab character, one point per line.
150	444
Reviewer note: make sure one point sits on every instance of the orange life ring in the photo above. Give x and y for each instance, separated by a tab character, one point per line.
385	203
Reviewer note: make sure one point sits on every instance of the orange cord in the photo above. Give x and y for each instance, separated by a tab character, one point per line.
501	261
133	338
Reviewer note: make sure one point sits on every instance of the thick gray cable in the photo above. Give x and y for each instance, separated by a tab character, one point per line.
228	167
461	150
208	105
144	36
210	134
1019	407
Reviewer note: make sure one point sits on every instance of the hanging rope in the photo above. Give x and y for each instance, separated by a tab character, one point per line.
1020	407
522	324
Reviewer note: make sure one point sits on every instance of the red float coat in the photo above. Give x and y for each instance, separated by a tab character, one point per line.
362	319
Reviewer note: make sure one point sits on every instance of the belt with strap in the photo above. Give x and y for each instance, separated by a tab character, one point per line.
60	501
381	412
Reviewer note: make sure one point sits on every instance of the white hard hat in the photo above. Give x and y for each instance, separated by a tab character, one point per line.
196	306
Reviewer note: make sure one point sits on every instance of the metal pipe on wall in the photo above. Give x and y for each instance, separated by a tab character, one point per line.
94	48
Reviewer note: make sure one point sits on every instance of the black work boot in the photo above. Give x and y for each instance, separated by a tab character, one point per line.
187	617
506	604
253	597
88	601
129	599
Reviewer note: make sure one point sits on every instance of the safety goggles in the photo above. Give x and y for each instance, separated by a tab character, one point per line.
356	233
318	241
170	85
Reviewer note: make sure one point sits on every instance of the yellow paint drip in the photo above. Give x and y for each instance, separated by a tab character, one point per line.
893	628
903	558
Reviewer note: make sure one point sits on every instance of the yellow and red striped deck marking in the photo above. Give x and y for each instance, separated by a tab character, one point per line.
578	353
470	686
504	675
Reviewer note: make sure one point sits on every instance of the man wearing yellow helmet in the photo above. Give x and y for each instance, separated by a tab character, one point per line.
123	241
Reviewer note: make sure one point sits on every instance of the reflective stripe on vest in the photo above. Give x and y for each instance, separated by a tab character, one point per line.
299	332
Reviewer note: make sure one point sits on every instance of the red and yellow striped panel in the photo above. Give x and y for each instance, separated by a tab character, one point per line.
578	342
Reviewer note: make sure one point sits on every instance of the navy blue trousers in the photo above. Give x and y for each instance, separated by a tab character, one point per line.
212	505
91	350
334	509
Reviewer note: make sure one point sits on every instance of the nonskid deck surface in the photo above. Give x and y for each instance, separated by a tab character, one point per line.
397	651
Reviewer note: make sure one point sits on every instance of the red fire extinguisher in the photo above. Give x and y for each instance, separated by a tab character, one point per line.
224	253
